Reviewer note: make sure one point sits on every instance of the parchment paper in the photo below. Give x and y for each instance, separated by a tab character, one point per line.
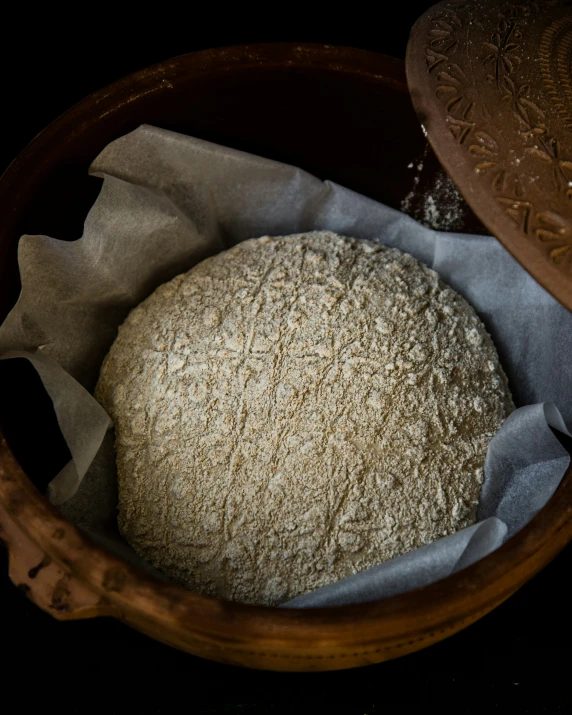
168	201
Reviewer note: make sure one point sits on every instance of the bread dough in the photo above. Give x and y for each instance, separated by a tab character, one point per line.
295	410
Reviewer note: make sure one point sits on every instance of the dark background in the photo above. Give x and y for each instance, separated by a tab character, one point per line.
516	659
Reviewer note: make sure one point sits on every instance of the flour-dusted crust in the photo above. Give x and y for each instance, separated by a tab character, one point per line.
297	409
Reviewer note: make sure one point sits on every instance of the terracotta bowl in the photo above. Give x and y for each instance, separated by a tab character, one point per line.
344	115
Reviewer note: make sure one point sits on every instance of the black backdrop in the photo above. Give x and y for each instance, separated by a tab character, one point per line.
516	659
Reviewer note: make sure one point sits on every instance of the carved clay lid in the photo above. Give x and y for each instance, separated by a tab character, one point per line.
491	83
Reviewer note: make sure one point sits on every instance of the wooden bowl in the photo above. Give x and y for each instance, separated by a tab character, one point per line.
342	114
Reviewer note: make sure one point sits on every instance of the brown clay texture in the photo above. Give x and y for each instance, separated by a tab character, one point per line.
492	85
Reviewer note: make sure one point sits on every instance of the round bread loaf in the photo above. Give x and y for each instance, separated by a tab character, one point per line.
295	410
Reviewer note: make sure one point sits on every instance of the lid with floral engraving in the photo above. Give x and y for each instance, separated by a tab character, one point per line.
491	83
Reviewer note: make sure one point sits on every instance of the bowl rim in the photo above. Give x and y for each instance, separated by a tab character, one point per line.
359	633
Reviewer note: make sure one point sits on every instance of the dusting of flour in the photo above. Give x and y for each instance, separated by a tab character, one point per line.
295	410
438	206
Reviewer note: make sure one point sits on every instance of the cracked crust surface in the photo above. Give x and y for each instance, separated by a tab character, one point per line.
297	409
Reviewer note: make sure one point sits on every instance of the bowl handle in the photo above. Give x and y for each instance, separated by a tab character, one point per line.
49	584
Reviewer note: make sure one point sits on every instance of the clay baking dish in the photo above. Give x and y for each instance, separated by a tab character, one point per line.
341	114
